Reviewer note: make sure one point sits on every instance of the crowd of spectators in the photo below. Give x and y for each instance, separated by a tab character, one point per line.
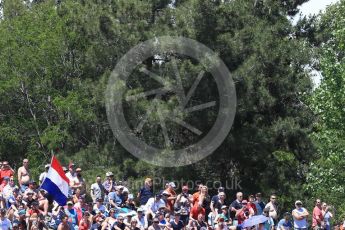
113	206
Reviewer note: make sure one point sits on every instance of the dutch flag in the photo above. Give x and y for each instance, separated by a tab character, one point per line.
56	183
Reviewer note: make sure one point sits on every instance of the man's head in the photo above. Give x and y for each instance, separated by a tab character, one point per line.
3	212
251	198
266	211
158	196
32	184
201	217
148	182
69	204
185	189
298	204
318	203
287	216
46	167
5	165
273	198
109	176
78	171
221	189
98	179
224	209
239	196
258	196
172	185
64	219
155	221
221	195
25	163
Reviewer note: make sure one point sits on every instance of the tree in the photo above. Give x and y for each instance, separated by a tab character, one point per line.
326	176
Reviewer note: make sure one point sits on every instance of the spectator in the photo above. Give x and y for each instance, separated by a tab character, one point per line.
200	202
109	184
300	216
64	225
317	215
44	174
4	222
120	225
72	214
97	189
145	193
78	182
327	216
110	220
24	175
269	224
114	200
260	205
245	212
85	223
176	223
6	171
251	201
155	224
285	223
272	205
236	205
224	215
183	203
171	196
152	206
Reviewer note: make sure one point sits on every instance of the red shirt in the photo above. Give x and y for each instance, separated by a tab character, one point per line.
4	173
317	213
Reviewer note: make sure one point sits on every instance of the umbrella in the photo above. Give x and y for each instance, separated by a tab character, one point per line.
254	220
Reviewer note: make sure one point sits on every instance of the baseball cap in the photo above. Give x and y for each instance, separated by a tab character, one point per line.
47	166
221	189
224	207
78	170
140	210
69	202
64	168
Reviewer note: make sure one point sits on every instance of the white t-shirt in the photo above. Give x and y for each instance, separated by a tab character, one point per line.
5	224
153	205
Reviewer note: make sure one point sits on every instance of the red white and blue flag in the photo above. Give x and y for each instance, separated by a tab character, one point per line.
56	183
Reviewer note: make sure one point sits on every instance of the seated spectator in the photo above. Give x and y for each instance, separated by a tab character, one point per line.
72	214
99	206
85	223
110	220
176	223
198	224
155	224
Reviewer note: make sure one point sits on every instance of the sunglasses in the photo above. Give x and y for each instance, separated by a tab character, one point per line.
156	222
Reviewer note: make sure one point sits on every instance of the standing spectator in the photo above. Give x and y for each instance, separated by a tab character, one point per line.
236	206
97	189
71	174
272	205
327	215
6	171
24	175
200	203
44	174
245	212
317	215
171	196
285	223
217	202
300	216
260	205
251	200
183	203
78	182
145	193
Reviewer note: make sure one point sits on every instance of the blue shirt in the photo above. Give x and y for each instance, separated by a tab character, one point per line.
113	196
286	225
145	195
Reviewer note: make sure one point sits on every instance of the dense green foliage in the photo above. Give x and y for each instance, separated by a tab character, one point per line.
55	61
326	177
